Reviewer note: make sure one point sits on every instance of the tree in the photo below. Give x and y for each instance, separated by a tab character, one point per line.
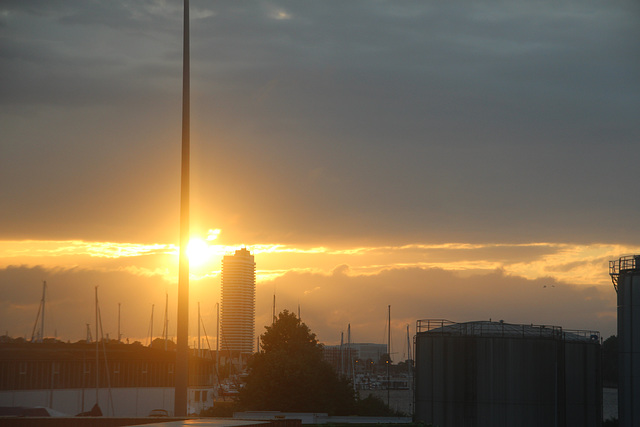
290	375
158	343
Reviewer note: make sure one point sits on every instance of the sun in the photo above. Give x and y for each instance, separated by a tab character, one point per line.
198	251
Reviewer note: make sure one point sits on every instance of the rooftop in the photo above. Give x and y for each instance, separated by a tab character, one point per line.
503	329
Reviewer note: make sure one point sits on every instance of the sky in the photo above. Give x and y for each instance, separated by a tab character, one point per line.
466	161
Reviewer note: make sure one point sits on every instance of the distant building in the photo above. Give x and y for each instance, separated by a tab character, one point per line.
369	351
237	326
341	357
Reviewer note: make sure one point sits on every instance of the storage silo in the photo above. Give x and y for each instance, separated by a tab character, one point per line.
625	274
496	374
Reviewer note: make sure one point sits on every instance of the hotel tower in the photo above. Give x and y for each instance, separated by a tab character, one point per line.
237	326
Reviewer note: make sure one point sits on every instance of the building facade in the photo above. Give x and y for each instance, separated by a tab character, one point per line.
625	273
125	380
496	374
237	323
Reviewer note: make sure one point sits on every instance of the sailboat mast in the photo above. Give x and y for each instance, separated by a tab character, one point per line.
218	336
166	320
341	353
153	306
119	334
409	355
389	357
199	350
349	349
44	288
97	349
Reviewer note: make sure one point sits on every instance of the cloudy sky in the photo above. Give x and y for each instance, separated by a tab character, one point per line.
459	160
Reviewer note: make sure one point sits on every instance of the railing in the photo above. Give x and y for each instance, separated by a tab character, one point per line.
580	335
620	265
429	324
502	329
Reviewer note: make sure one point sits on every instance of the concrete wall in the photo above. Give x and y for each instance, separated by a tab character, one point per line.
127	402
583	384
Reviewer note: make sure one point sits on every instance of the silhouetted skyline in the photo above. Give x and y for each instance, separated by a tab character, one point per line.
461	161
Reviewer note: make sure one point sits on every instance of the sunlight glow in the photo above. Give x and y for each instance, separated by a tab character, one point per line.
565	262
62	248
198	251
213	234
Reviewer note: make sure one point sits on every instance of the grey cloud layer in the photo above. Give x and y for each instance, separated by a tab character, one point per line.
379	121
330	302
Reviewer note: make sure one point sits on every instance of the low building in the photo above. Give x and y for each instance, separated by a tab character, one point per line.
125	380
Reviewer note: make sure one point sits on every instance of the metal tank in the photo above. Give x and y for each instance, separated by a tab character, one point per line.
625	274
496	374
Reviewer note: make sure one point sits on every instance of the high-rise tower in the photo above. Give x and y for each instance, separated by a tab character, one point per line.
237	326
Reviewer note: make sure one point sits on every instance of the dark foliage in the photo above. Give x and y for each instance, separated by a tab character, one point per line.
159	344
373	406
613	422
290	375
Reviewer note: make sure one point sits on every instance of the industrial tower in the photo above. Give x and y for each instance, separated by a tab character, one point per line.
625	274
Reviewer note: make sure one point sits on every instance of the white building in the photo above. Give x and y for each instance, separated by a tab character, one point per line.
237	326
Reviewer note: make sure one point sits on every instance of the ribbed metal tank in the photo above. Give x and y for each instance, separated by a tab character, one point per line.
625	273
496	374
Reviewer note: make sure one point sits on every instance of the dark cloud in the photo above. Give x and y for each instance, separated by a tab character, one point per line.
324	121
330	302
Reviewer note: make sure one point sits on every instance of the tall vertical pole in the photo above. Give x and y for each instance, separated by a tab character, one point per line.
341	353
217	338
389	357
44	288
151	327
348	367
199	329
119	334
409	359
182	353
97	349
166	321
